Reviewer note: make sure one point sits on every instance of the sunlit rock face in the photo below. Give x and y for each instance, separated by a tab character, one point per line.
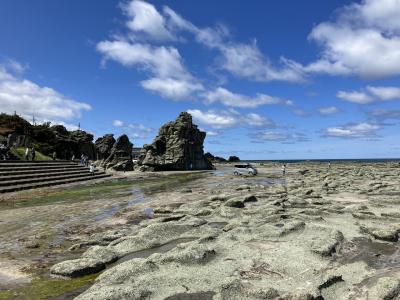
178	146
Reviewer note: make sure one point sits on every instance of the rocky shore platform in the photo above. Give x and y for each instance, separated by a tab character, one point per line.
315	233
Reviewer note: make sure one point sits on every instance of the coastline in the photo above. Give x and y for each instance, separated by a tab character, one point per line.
263	234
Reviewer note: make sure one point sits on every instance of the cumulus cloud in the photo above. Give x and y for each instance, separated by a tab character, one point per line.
384	114
384	93
328	110
240	59
161	61
230	118
228	98
170	77
176	89
371	94
360	130
118	123
281	137
144	17
135	130
355	97
363	40
29	99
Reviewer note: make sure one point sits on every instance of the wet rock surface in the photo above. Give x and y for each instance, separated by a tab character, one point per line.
331	233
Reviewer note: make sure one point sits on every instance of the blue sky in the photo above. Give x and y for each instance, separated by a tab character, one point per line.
265	79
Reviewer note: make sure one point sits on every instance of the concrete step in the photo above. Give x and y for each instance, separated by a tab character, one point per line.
11	176
20	187
43	179
34	165
33	168
41	170
14	161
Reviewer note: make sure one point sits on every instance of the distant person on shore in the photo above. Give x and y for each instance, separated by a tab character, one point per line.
329	165
54	155
283	169
92	169
4	151
27	153
33	153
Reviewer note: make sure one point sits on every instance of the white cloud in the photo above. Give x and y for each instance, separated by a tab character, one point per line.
212	133
118	123
363	40
328	110
384	114
29	99
355	97
283	137
360	130
164	62
241	60
138	131
371	94
229	119
144	17
228	98
247	61
172	88
384	93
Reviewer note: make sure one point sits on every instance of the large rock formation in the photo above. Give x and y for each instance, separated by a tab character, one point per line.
178	146
103	146
68	143
120	158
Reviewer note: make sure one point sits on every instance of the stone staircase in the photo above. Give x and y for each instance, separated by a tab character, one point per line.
21	175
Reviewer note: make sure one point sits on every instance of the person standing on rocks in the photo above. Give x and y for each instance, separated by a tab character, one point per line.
283	169
33	153
27	153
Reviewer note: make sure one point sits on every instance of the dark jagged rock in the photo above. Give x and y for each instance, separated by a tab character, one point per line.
233	159
120	158
213	158
68	143
103	146
178	146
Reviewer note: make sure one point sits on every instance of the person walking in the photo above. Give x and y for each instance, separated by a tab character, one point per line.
92	169
54	155
3	151
33	153
27	153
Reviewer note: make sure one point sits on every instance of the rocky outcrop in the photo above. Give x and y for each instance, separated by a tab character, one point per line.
120	158
103	146
178	146
68	143
233	159
213	158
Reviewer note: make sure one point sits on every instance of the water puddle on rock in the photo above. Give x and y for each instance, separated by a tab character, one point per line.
159	249
218	225
378	255
138	198
192	296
